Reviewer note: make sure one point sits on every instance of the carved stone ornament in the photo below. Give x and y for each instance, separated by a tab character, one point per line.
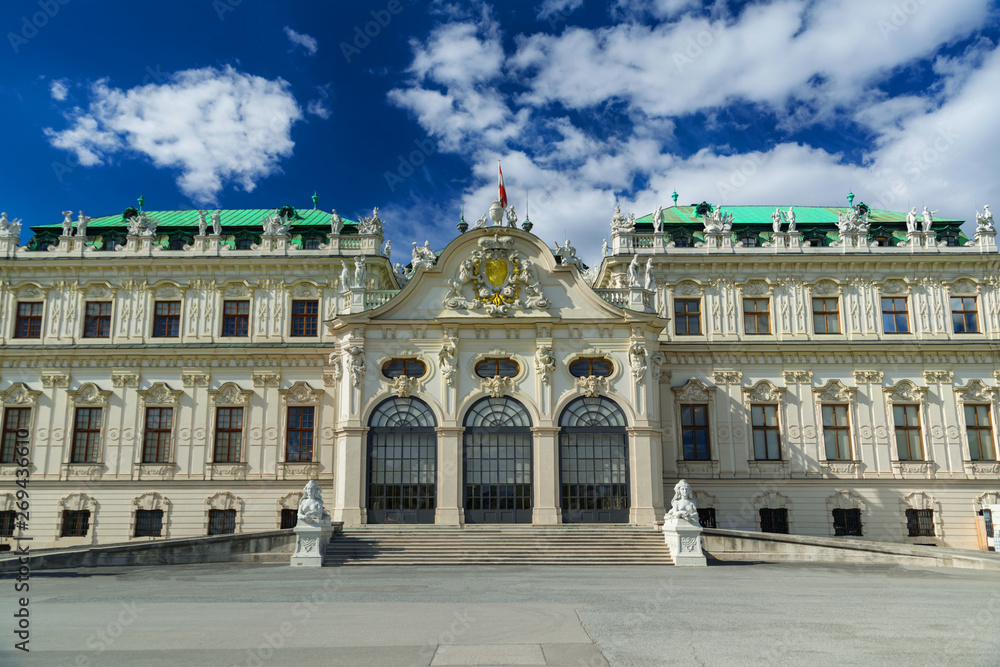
123	379
798	377
592	386
498	386
687	288
826	288
964	287
658	360
693	392
151	501
77	502
224	500
304	290
835	392
895	286
55	380
545	364
727	377
300	393
18	394
356	364
764	392
89	394
637	359
979	468
265	378
939	376
194	379
501	280
160	394
756	288
906	392
976	391
868	377
403	386
229	394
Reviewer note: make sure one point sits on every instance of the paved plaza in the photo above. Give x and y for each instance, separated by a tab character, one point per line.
256	615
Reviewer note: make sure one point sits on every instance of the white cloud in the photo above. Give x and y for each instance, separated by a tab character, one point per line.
214	126
307	42
58	90
318	108
558	8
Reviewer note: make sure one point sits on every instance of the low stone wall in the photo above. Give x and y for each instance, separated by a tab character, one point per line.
273	546
740	545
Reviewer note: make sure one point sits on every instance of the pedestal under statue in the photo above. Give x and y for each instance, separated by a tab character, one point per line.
681	529
313	529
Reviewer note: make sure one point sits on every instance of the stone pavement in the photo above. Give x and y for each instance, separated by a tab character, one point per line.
257	615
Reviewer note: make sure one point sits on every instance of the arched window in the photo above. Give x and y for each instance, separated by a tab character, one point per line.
493	367
586	366
496	458
749	239
593	462
402	462
411	368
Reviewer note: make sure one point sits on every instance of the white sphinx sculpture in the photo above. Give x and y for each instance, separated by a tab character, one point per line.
681	529
313	528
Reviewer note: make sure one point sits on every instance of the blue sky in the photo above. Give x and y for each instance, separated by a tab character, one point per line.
252	104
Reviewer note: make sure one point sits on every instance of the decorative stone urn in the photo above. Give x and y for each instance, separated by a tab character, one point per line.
313	529
681	529
496	212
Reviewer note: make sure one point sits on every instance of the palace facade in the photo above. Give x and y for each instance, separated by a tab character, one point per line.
820	371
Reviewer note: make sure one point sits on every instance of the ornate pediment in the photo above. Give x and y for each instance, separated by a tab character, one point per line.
300	393
688	288
895	286
905	391
834	391
160	394
756	288
693	392
826	288
964	287
18	394
764	392
229	394
89	394
497	279
976	391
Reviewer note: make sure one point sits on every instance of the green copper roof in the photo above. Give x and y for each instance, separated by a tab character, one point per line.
247	217
804	215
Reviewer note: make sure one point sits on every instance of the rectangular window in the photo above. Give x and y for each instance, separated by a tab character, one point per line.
97	319
757	316
228	434
7	519
300	434
773	520
305	318
14	419
75	523
964	314
826	315
167	319
148	523
289	518
894	315
694	432
847	522
907	423
979	428
687	317
236	318
766	437
920	523
86	435
29	320
706	517
836	433
221	522
156	443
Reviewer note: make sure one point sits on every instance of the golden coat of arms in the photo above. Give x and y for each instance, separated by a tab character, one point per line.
501	280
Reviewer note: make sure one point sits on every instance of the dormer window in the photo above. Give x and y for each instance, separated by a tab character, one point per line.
411	368
749	240
497	367
681	241
587	366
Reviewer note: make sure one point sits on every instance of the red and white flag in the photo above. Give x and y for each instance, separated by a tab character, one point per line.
503	190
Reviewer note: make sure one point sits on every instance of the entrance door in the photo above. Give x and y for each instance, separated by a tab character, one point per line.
496	458
402	462
593	462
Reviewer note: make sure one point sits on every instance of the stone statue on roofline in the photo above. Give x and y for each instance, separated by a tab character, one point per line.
8	228
984	221
336	222
345	277
633	272
360	272
202	224
567	254
790	216
928	219
511	217
649	280
911	220
776	221
67	223
81	224
217	222
658	220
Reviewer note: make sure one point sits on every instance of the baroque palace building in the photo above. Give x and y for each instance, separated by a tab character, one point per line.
820	371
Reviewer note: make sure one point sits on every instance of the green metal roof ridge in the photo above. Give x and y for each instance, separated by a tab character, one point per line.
244	217
804	215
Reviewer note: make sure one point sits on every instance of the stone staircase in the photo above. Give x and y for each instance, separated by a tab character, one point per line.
498	545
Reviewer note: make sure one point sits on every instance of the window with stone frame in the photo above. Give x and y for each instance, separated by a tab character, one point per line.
14	420
305	318
895	317
75	523
766	435
28	323
590	366
847	522
236	319
774	520
299	435
497	367
687	317
156	438
826	315
86	435
964	314
906	423
920	523
166	319
148	523
228	435
836	432
757	316
979	432
404	367
97	319
694	431
221	522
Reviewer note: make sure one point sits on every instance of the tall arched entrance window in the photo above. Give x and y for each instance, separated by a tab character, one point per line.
496	459
593	462
402	462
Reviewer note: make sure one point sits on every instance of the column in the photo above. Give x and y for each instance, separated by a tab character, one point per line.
349	503
645	476
450	509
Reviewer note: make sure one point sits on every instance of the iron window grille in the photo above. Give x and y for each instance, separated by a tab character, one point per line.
497	367
979	431
706	517
156	440
826	315
167	319
221	522
299	436
587	366
766	435
97	319
920	523
75	523
847	522
236	319
687	317
86	435
774	520
906	420
14	420
694	432
757	316
289	518
411	368
228	435
895	318
964	315
148	523
836	433
305	318
29	320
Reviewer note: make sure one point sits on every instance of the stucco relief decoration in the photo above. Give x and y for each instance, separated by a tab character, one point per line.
300	393
89	394
906	392
772	500
895	286
918	500
727	377
835	392
501	280
545	364
151	501
225	500
756	288
592	386
448	358
976	391
764	392
403	386
121	379
356	364
498	386
160	394
826	288
194	379
265	379
868	377
637	359
939	376
18	394
230	394
693	392
77	502
658	360
964	287
845	500
797	377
